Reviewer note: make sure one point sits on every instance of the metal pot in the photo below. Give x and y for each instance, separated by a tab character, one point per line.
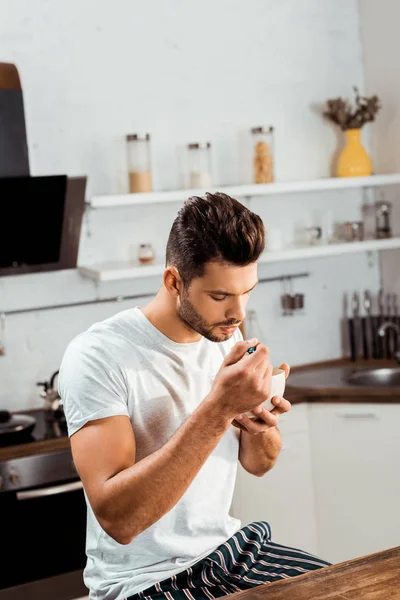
15	426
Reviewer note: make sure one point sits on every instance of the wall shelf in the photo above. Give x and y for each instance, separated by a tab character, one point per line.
251	190
115	271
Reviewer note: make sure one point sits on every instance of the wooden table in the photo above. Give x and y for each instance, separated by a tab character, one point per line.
373	577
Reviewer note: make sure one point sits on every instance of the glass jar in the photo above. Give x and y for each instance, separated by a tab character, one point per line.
263	154
199	160
354	231
383	211
146	253
139	167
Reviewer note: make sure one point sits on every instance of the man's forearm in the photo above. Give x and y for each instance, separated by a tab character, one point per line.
258	453
138	496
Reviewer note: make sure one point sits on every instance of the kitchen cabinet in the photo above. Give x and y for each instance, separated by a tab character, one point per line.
335	489
356	473
284	496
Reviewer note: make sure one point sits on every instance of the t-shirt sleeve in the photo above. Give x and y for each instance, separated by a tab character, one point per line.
91	384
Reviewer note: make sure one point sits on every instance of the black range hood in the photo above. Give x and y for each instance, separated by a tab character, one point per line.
41	221
40	217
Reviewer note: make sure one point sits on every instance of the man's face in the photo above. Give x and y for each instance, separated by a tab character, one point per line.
214	305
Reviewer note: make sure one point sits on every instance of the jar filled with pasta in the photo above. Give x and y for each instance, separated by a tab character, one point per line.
263	154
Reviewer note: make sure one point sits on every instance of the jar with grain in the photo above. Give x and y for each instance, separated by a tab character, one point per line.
263	154
139	166
199	160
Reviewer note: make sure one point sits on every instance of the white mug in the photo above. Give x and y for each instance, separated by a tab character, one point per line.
278	382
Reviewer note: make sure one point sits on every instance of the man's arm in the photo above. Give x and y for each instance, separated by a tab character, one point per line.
259	449
258	453
129	497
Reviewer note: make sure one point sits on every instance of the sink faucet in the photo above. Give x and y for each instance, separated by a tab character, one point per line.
382	332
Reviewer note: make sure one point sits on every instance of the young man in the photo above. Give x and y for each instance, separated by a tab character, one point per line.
155	400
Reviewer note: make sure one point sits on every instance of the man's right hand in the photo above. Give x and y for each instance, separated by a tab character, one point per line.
243	381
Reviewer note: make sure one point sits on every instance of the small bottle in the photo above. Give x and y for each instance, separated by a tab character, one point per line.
139	167
146	253
263	158
383	220
199	159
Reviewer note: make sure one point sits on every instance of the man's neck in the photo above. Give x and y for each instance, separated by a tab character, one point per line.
163	315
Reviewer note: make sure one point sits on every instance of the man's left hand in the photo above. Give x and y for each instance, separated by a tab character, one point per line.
265	419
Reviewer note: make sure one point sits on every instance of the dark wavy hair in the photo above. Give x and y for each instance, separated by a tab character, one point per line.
214	228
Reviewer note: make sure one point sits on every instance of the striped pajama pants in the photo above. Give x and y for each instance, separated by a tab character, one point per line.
247	559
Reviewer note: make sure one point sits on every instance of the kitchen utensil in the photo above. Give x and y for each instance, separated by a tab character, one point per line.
378	322
287	298
388	340
298	301
366	326
357	324
2	332
353	326
396	320
373	351
15	427
50	395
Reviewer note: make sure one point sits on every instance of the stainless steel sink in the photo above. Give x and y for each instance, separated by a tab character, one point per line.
376	377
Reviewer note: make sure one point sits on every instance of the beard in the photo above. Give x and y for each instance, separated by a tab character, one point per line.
195	322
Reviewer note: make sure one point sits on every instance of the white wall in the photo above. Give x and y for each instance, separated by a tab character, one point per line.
93	71
379	21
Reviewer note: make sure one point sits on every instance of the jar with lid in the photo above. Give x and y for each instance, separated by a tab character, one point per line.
263	154
146	253
199	160
139	166
383	211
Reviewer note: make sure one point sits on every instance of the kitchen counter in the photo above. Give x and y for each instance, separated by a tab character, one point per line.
376	577
327	382
43	447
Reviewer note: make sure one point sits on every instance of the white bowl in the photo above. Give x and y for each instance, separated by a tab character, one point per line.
278	383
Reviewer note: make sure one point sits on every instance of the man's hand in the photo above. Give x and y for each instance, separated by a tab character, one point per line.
265	419
243	381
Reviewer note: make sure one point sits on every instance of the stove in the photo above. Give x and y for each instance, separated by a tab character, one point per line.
49	426
31	460
45	525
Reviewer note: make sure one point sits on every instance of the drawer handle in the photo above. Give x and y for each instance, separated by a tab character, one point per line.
50	491
366	415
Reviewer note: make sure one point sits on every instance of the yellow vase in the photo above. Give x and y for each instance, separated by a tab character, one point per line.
354	160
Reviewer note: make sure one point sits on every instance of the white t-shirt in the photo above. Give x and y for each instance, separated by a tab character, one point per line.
125	366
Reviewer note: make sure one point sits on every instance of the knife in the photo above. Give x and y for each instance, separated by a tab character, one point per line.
389	332
396	321
350	324
355	304
366	327
380	320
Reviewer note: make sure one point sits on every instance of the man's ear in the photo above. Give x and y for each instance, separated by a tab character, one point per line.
172	281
